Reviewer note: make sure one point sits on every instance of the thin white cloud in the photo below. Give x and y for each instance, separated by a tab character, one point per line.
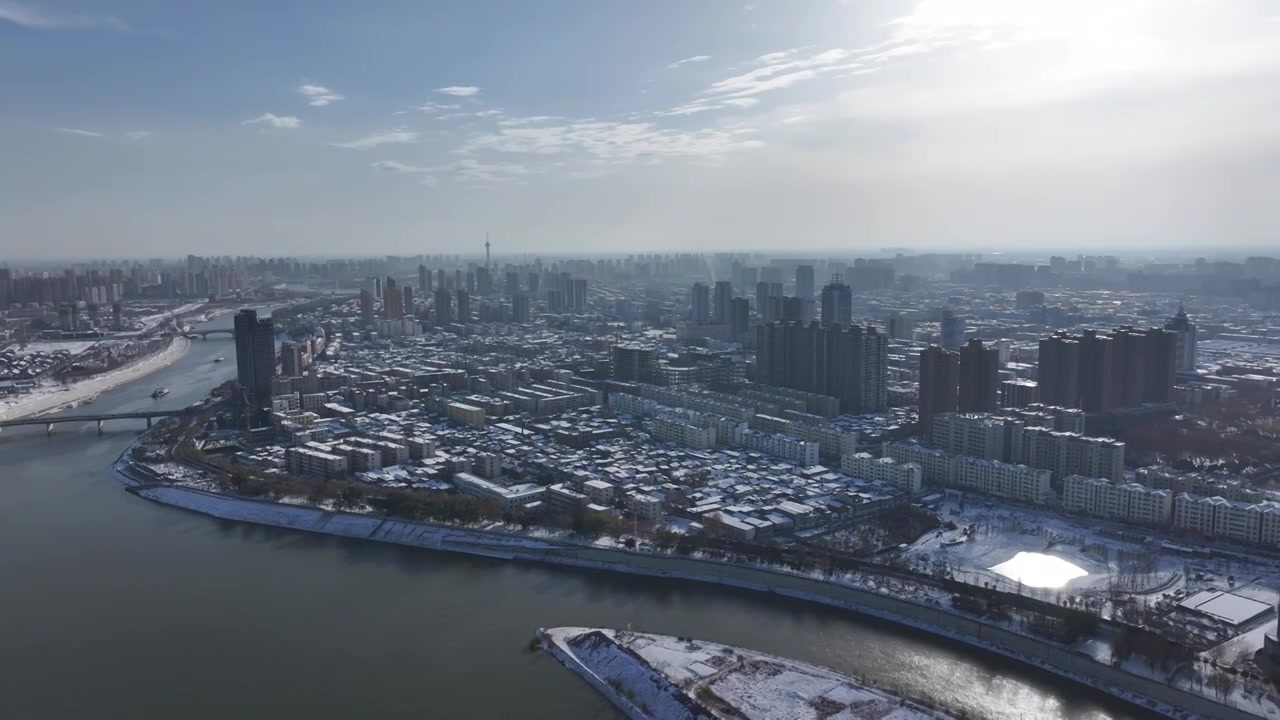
392	166
488	113
318	95
271	120
459	90
612	141
686	61
531	120
35	18
76	131
138	134
431	108
400	135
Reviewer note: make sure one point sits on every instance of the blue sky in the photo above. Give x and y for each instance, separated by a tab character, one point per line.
148	127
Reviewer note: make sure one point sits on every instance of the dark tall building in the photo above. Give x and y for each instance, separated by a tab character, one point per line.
739	316
1058	372
513	283
1096	373
520	308
849	363
255	360
484	281
873	275
392	301
578	295
366	307
443	307
837	304
1028	299
939	385
804	281
721	300
1147	365
406	298
951	330
979	378
424	280
634	363
700	304
762	301
791	309
290	359
464	307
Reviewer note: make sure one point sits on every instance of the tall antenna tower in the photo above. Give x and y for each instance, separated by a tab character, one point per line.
486	250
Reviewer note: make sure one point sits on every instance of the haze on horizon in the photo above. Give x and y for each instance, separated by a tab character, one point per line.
158	128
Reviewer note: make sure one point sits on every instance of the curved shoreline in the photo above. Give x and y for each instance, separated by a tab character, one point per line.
44	403
1140	692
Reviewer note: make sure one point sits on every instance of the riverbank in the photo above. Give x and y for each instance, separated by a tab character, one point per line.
53	398
1142	692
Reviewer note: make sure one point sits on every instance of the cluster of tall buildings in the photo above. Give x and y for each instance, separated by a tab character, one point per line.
1097	372
848	363
967	380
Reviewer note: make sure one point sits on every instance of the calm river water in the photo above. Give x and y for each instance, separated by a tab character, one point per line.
112	607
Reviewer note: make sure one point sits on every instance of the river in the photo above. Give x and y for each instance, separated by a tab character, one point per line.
113	607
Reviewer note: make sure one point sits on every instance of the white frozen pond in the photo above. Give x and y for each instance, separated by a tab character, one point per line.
1038	570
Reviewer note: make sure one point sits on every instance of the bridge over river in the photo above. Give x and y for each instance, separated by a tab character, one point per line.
100	418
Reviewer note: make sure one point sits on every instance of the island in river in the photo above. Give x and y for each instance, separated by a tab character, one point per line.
657	677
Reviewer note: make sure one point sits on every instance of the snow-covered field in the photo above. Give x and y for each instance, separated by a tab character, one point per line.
47	398
74	347
660	677
991	534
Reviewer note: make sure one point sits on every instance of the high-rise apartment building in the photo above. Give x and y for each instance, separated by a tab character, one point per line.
1058	372
951	334
804	281
255	358
290	359
520	308
443	307
739	316
392	300
979	377
939	385
899	326
700	304
631	362
837	304
721	300
1184	355
366	307
464	307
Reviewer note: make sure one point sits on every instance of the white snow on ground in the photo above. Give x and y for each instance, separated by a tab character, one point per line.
1038	570
669	677
74	347
48	398
1002	531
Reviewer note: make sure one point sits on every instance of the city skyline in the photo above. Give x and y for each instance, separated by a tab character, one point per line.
716	126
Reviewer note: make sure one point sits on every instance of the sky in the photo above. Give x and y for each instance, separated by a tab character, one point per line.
336	127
